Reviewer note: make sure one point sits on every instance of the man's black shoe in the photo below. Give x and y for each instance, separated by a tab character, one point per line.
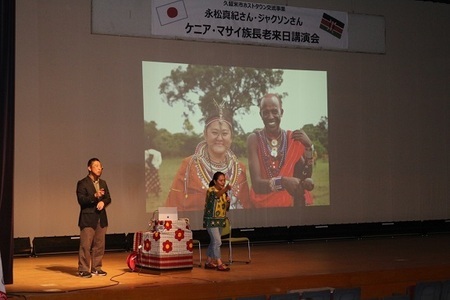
99	273
85	274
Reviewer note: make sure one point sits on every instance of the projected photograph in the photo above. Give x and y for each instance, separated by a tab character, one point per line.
265	129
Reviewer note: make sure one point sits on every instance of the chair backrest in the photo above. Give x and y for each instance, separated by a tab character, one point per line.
226	231
397	297
445	293
347	294
316	295
427	290
259	297
288	296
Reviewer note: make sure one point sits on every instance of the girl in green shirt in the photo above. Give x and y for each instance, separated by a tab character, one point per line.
217	203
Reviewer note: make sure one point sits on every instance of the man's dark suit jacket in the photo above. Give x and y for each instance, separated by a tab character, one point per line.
89	215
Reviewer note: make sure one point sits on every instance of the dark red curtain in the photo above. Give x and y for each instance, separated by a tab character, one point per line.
7	69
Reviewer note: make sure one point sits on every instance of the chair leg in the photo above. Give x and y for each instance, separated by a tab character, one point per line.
199	252
230	253
249	255
200	255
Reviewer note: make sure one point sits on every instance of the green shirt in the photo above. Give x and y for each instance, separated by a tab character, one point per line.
215	209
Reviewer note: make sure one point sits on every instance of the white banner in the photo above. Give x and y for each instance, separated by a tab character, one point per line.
250	23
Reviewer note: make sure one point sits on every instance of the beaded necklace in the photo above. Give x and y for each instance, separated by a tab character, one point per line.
205	168
274	144
216	166
272	163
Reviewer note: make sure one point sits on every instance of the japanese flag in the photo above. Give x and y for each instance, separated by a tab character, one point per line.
171	12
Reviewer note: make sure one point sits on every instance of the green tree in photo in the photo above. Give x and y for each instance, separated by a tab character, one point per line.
236	88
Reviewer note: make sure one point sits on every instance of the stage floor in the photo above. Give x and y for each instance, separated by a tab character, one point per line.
380	266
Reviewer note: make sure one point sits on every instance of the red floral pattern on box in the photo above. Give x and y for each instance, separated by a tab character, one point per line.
167	246
190	246
147	245
168	225
179	234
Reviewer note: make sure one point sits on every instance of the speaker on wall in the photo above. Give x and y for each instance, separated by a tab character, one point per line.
22	246
55	244
71	244
116	242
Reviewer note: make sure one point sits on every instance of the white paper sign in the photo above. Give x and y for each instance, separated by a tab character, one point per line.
252	23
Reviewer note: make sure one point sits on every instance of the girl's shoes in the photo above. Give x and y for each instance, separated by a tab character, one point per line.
210	266
223	268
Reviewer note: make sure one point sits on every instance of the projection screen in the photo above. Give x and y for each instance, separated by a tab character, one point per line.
179	98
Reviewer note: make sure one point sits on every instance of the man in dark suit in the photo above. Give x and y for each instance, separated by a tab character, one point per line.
93	197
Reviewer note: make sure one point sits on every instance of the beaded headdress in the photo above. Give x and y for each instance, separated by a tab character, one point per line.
220	117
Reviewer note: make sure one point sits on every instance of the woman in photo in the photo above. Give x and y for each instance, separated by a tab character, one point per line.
211	155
